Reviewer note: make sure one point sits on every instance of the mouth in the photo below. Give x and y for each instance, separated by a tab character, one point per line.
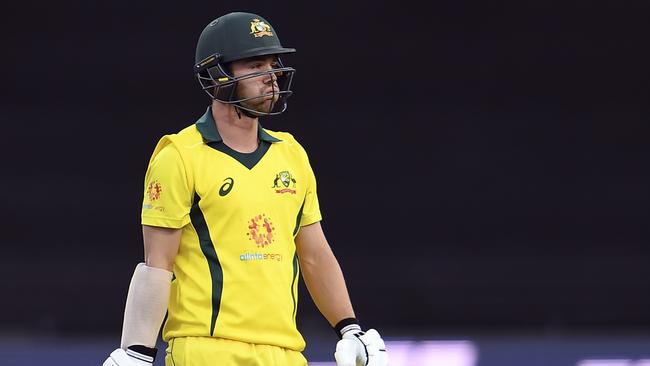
270	93
271	90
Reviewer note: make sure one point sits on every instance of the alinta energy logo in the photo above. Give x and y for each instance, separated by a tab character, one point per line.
282	182
260	230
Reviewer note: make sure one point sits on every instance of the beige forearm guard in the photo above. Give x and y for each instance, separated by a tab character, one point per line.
146	305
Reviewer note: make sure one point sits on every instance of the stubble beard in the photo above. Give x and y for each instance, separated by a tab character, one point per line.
262	104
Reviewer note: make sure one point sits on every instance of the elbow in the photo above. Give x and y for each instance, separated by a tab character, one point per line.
306	263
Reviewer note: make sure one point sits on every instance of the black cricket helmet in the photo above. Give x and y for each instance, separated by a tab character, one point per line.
237	36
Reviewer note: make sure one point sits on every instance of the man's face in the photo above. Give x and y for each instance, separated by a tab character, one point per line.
260	85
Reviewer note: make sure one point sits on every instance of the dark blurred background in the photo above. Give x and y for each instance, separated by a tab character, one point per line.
482	168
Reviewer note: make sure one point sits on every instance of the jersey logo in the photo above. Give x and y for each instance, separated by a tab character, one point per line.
260	29
154	189
226	187
260	230
284	178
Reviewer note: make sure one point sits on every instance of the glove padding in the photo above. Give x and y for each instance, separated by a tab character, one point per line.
119	357
357	348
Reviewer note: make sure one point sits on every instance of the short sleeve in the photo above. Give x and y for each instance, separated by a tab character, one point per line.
167	195
311	209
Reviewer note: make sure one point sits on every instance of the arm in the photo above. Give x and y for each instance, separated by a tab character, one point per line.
160	246
322	274
324	280
147	300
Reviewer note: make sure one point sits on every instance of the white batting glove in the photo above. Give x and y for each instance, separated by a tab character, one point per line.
358	348
133	356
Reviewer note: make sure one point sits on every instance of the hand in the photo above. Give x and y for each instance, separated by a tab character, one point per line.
357	348
133	356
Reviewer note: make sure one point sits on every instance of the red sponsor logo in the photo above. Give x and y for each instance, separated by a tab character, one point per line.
154	189
286	190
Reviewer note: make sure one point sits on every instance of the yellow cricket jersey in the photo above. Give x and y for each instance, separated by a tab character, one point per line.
236	272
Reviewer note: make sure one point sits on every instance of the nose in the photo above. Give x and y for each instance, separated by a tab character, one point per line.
271	78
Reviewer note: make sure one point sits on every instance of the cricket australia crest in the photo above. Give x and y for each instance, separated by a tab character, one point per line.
260	29
284	182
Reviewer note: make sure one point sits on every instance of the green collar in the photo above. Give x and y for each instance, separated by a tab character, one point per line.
208	129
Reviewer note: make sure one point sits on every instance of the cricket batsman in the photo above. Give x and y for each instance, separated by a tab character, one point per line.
230	218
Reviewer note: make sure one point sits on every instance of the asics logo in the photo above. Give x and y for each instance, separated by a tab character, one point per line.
226	187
